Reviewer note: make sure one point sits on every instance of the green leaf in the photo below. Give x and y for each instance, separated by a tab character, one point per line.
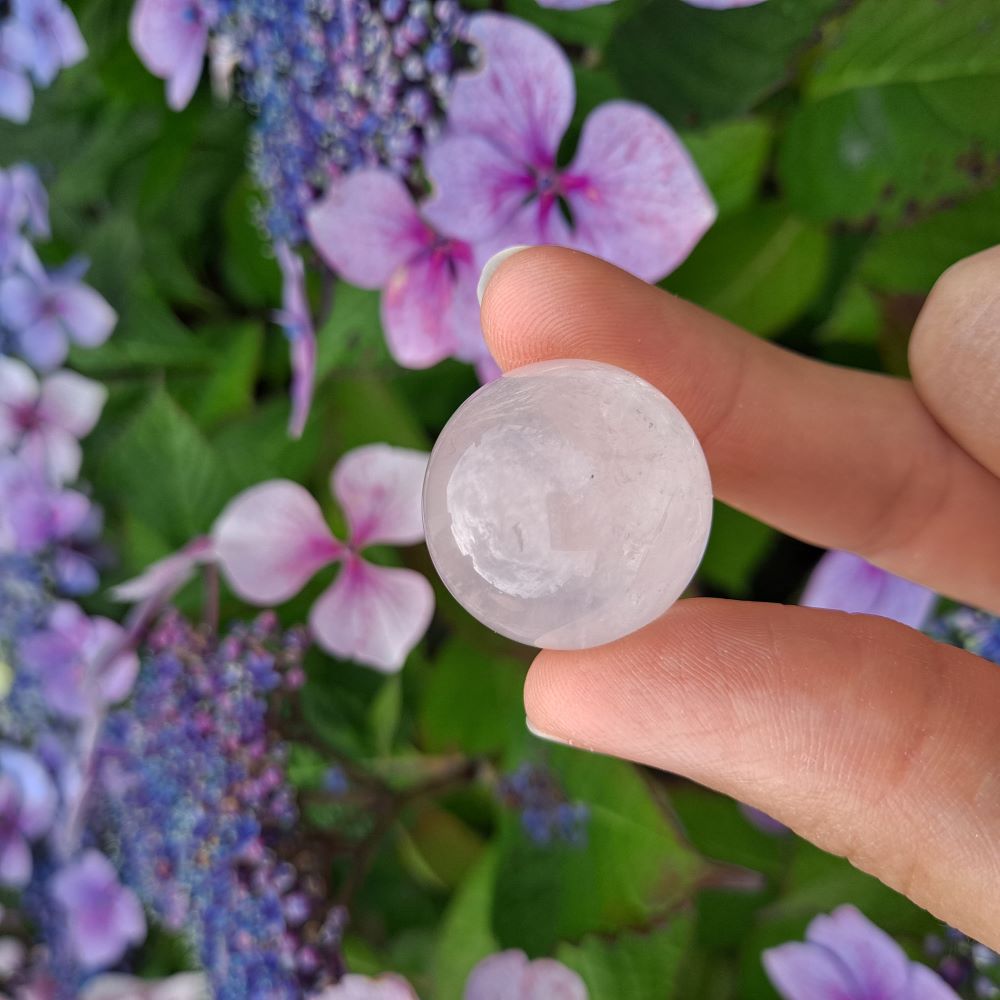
695	66
732	158
384	715
248	267
165	471
903	111
736	546
466	935
633	869
631	966
352	335
761	268
472	702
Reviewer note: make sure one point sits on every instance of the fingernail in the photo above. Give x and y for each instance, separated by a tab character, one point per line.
548	737
490	268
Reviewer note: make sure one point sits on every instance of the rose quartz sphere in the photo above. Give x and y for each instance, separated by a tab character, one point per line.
567	504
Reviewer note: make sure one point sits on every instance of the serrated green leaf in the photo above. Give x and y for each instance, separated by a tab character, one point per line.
631	966
632	870
761	268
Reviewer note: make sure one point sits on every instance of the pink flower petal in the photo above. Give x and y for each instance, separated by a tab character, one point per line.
171	43
373	615
429	307
16	95
162	579
87	316
723	4
72	402
115	986
572	4
355	987
497	977
478	186
271	539
640	202
366	226
547	979
296	319
18	390
55	450
804	972
379	488
521	96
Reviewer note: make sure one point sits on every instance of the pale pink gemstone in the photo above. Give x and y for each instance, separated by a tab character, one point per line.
567	504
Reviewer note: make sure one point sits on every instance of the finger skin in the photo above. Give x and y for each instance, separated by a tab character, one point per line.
955	355
836	457
866	737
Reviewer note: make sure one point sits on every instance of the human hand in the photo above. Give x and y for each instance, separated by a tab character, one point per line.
868	738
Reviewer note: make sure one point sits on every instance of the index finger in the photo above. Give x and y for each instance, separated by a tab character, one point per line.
839	458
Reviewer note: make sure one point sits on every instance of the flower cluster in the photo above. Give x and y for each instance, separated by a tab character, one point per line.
38	38
976	631
546	814
196	794
971	968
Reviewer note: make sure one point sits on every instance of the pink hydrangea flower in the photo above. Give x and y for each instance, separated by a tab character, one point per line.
103	917
294	316
843	581
368	229
43	422
171	38
272	538
161	580
354	987
82	664
115	986
46	311
632	194
509	975
846	957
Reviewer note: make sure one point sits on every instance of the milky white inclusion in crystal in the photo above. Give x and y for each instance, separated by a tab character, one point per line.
567	504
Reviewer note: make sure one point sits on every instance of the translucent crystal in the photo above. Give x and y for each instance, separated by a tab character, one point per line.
567	504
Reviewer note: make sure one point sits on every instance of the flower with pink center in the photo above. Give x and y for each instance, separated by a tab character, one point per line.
369	230
103	918
843	581
632	194
46	311
846	957
295	318
171	38
509	975
272	538
43	422
82	664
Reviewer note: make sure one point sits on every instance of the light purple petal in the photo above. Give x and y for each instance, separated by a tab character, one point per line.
56	39
927	985
572	4
72	402
843	581
373	615
21	302
521	96
296	319
429	309
44	343
366	226
58	451
765	823
88	317
39	798
271	539
547	979
640	202
807	972
354	987
162	579
115	986
16	95
34	201
171	38
723	4
875	960
379	488
75	574
15	862
19	391
497	977
478	188
113	665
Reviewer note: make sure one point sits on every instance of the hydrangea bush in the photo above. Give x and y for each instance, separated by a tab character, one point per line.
249	746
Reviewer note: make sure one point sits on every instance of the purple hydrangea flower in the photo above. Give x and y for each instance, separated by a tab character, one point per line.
24	205
171	38
33	514
509	975
546	814
54	39
16	95
45	311
28	802
846	957
82	664
370	231
632	195
272	538
43	422
843	581
103	917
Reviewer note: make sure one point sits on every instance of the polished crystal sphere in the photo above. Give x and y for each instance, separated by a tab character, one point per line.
567	504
